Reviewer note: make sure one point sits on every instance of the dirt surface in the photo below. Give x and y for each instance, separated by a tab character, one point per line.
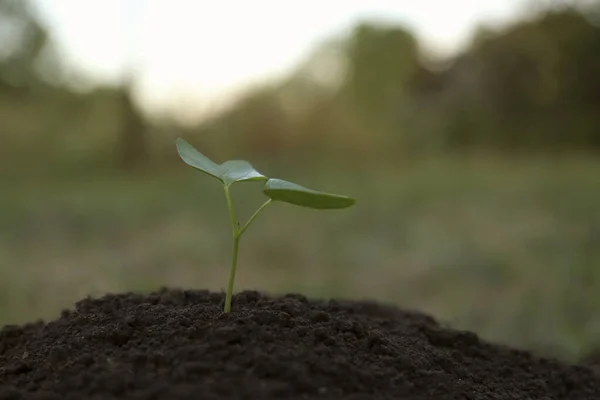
179	345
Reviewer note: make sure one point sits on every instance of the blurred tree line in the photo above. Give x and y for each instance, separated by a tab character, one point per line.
49	118
533	86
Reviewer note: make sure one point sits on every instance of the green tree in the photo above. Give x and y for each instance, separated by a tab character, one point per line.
25	46
133	141
533	85
381	63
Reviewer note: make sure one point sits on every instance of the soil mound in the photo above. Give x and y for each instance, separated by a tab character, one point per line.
176	344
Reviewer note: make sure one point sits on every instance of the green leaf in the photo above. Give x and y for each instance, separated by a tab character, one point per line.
229	172
280	190
239	171
194	158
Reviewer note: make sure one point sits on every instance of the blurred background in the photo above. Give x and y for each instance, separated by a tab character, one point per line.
468	132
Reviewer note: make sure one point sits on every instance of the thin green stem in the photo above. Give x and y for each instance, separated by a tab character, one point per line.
237	234
234	225
229	294
253	217
234	257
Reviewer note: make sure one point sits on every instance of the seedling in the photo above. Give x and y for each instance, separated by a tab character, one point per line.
234	171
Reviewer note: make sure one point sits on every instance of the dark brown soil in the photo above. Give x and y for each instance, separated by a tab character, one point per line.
179	345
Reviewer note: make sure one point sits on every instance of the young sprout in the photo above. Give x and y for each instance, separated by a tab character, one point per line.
234	171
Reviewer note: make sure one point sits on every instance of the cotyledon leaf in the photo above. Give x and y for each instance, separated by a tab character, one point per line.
194	158
239	171
229	172
289	192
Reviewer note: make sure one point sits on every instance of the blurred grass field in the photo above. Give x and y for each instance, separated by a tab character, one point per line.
509	249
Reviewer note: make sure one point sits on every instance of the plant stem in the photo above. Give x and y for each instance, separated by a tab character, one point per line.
234	225
229	294
253	217
234	256
237	234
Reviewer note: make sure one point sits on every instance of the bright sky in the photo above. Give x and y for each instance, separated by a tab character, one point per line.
199	51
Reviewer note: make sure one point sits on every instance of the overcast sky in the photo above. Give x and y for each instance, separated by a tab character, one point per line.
203	50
